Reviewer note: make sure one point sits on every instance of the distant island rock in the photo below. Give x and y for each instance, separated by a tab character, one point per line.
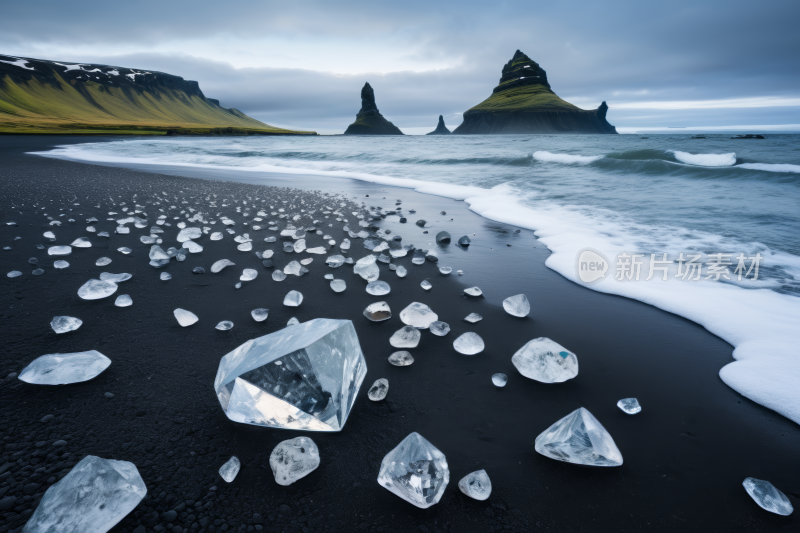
369	120
523	102
42	96
441	129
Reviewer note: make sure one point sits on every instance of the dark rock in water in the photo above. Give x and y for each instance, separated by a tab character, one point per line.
425	232
523	102
443	237
267	263
369	120
397	238
441	129
403	220
421	222
464	241
748	136
198	270
443	213
518	231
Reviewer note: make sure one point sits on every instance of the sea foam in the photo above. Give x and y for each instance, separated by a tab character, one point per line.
706	160
566	159
771	167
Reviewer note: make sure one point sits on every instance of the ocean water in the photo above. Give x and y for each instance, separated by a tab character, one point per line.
622	194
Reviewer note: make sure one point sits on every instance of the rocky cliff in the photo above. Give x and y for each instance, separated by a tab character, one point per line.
523	102
369	120
441	129
41	96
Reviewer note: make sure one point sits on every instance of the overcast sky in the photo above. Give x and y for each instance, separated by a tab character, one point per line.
301	64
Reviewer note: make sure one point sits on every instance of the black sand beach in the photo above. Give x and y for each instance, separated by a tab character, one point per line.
686	454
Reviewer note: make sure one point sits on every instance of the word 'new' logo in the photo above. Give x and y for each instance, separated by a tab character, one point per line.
591	265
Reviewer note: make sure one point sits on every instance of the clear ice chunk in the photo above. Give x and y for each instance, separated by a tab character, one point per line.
629	406
469	344
545	360
406	337
115	278
338	285
219	265
767	496
278	275
293	459
293	299
418	315
193	247
292	322
445	270
95	289
401	358
123	300
187	234
416	471
439	328
14	274
229	470
367	268
248	274
65	368
401	271
476	485
517	305
379	390
95	495
579	438
60	264
184	317
293	268
335	261
59	250
473	318
123	249
378	288
426	284
81	242
473	291
64	324
499	380
225	325
303	377
103	261
166	276
378	312
260	314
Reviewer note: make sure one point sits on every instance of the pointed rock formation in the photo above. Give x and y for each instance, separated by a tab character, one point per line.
441	129
523	102
369	120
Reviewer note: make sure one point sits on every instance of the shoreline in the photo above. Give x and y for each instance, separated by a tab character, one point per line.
685	454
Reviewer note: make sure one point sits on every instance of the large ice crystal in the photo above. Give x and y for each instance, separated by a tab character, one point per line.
545	360
367	269
767	496
418	315
579	438
189	233
293	459
405	337
65	324
95	289
416	471
517	305
469	343
303	377
95	495
65	368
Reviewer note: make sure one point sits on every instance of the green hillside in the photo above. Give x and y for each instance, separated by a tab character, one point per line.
525	98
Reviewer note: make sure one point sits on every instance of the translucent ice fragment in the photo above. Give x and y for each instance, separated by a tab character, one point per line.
469	344
415	471
418	315
293	459
60	264
426	284
378	390
473	291
517	305
338	285
229	470
439	328
406	337
219	265
81	242
278	275
335	261
545	360
378	312
225	325
64	324
59	250
259	315
65	368
367	268
95	289
248	274
115	278
401	358
187	234
184	317
378	288
473	317
401	271
767	496
166	276
123	300
476	485
499	380
629	406
103	261
293	299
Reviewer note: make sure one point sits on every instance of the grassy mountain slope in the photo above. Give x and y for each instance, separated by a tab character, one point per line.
47	97
525	98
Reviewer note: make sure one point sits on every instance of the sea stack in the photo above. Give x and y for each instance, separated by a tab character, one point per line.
369	120
523	102
441	129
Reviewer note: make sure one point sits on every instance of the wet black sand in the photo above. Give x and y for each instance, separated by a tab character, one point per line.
685	455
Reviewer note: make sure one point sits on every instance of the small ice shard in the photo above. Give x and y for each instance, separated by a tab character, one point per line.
38	272
187	234
103	261
319	250
401	271
65	368
476	485
469	344
124	250
60	264
329	276
293	459
416	471
443	237
64	324
184	317
473	291
299	245
439	328
115	278
499	380
367	268
401	358
426	284
219	265
248	274
81	242
166	276
95	289
579	438
629	406
378	312
406	337
123	300
59	250
95	495
517	305
245	247
49	235
238	285
122	230
338	285
335	261
378	390
14	274
260	314
292	322
229	470
293	299
445	270
225	325
216	236
306	261
473	317
378	288
545	360
293	268
193	247
767	496
464	241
